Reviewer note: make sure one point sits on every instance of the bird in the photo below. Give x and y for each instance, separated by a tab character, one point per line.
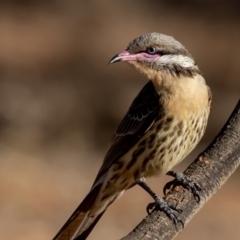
163	125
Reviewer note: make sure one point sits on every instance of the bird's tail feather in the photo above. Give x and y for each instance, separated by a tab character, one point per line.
80	222
90	222
85	233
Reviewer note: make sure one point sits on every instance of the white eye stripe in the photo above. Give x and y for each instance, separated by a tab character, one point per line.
183	61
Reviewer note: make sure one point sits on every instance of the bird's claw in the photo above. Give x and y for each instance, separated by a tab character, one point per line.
186	182
151	207
168	208
169	185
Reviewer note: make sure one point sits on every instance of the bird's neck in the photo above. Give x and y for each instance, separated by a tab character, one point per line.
175	89
166	74
165	81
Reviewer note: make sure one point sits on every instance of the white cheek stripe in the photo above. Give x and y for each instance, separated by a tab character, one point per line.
180	60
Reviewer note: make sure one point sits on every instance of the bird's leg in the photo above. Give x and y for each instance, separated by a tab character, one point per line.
160	204
185	181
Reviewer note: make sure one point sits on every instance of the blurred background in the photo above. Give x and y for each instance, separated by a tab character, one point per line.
60	104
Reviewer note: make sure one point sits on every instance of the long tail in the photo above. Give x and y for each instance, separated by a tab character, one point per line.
81	222
85	234
79	225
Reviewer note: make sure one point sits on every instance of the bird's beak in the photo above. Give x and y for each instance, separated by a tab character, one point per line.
124	56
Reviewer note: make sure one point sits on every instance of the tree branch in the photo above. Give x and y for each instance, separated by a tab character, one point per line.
211	170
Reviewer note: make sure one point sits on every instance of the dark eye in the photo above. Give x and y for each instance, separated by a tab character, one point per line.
151	50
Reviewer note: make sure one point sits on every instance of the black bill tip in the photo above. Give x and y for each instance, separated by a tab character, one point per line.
115	59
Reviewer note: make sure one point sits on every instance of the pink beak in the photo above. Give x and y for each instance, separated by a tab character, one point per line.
126	56
123	56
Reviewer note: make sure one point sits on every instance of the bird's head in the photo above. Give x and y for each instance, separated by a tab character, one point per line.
156	53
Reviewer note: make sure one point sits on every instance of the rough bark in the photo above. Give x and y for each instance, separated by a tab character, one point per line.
211	169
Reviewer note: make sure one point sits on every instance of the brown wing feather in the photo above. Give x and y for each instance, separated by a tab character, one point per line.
141	115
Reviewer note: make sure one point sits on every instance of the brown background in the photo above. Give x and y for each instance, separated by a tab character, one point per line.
60	103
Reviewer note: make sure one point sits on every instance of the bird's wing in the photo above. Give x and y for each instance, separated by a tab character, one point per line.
141	115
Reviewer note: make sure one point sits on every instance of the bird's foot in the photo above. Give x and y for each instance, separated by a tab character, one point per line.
160	204
185	181
168	208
